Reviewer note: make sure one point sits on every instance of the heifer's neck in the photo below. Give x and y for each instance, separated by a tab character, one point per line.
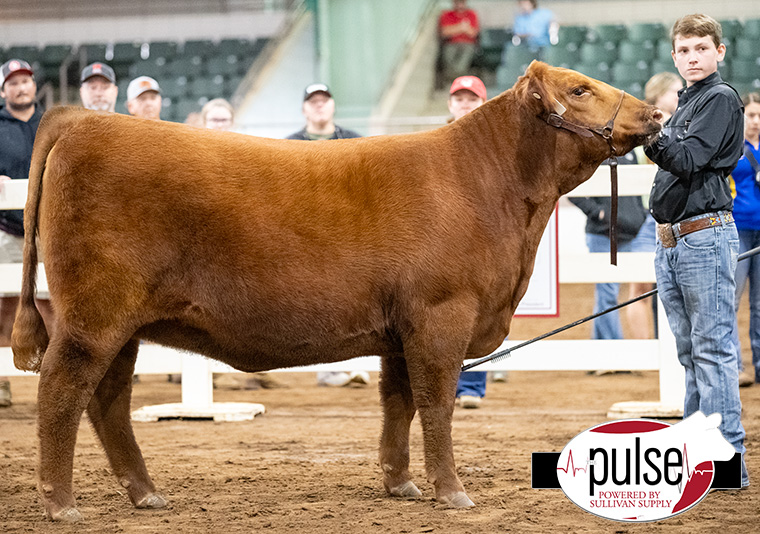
529	160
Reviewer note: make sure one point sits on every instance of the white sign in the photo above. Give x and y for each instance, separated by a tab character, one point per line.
542	296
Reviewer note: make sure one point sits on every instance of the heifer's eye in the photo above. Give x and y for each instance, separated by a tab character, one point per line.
579	91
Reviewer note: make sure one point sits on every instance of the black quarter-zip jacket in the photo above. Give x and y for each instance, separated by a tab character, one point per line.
697	149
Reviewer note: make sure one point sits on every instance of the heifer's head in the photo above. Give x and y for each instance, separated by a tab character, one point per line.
588	109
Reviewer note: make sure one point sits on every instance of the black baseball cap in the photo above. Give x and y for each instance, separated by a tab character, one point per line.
14	66
98	69
314	88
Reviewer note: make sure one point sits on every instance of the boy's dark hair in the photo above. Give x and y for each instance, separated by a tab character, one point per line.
697	25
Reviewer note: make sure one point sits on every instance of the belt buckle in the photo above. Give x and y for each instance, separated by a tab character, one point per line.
666	236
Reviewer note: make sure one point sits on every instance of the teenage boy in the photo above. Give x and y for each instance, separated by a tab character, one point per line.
697	245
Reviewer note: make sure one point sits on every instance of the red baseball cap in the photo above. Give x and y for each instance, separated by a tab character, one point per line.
469	83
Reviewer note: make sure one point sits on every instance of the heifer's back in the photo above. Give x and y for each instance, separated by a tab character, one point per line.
261	253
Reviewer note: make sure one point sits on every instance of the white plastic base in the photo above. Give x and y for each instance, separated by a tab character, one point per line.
218	411
634	409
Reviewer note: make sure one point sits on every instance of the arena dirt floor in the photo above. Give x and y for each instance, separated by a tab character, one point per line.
310	463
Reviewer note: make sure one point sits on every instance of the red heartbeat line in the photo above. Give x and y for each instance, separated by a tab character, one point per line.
571	463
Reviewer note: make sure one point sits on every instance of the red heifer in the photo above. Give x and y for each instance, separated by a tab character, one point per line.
266	253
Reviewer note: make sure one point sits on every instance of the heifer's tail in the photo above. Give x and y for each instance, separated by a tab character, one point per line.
29	338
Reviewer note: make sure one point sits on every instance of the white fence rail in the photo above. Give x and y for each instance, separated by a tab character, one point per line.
576	266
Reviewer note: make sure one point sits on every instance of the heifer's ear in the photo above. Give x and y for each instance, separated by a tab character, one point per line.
538	93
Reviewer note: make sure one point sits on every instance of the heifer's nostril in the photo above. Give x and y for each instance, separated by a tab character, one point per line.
657	115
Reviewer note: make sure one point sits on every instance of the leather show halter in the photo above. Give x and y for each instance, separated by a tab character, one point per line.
555	119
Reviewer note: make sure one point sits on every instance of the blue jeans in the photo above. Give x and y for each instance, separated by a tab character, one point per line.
696	285
472	383
749	270
606	295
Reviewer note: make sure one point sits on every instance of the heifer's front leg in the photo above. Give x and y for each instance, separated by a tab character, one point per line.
434	354
68	377
109	414
398	412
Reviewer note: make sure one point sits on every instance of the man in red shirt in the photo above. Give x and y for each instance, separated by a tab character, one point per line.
458	29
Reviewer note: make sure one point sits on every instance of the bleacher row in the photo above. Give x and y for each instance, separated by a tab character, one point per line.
189	73
623	55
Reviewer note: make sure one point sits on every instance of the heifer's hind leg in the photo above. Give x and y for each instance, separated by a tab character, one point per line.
398	412
68	377
109	413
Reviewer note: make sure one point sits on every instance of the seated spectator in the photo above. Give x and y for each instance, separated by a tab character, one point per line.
458	29
534	27
98	89
319	110
144	98
218	114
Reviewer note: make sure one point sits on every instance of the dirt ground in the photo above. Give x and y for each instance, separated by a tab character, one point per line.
310	463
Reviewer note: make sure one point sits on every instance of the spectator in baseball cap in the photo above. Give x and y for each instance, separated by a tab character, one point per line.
144	98
319	111
466	94
98	90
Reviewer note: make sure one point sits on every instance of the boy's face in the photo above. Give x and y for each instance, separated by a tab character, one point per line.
696	57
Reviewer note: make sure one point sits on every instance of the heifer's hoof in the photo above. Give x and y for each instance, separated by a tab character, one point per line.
66	515
407	489
456	500
154	500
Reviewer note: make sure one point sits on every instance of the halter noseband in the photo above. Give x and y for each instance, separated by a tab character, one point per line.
605	132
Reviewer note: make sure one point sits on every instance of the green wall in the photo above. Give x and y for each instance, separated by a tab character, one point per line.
360	43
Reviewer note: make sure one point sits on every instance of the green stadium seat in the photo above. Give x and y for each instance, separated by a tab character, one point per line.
641	32
492	42
507	75
93	52
664	50
598	71
744	70
746	48
30	54
231	85
731	29
126	53
629	73
234	47
663	65
192	67
148	67
206	86
518	57
608	32
631	52
201	48
751	28
173	87
636	89
179	110
223	65
572	34
562	55
54	55
163	49
598	52
745	87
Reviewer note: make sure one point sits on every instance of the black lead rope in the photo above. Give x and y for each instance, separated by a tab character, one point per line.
508	352
613	209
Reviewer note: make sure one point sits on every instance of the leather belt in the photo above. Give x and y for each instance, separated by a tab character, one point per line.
669	234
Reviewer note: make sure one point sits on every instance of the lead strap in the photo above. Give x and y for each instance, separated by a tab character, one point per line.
613	209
